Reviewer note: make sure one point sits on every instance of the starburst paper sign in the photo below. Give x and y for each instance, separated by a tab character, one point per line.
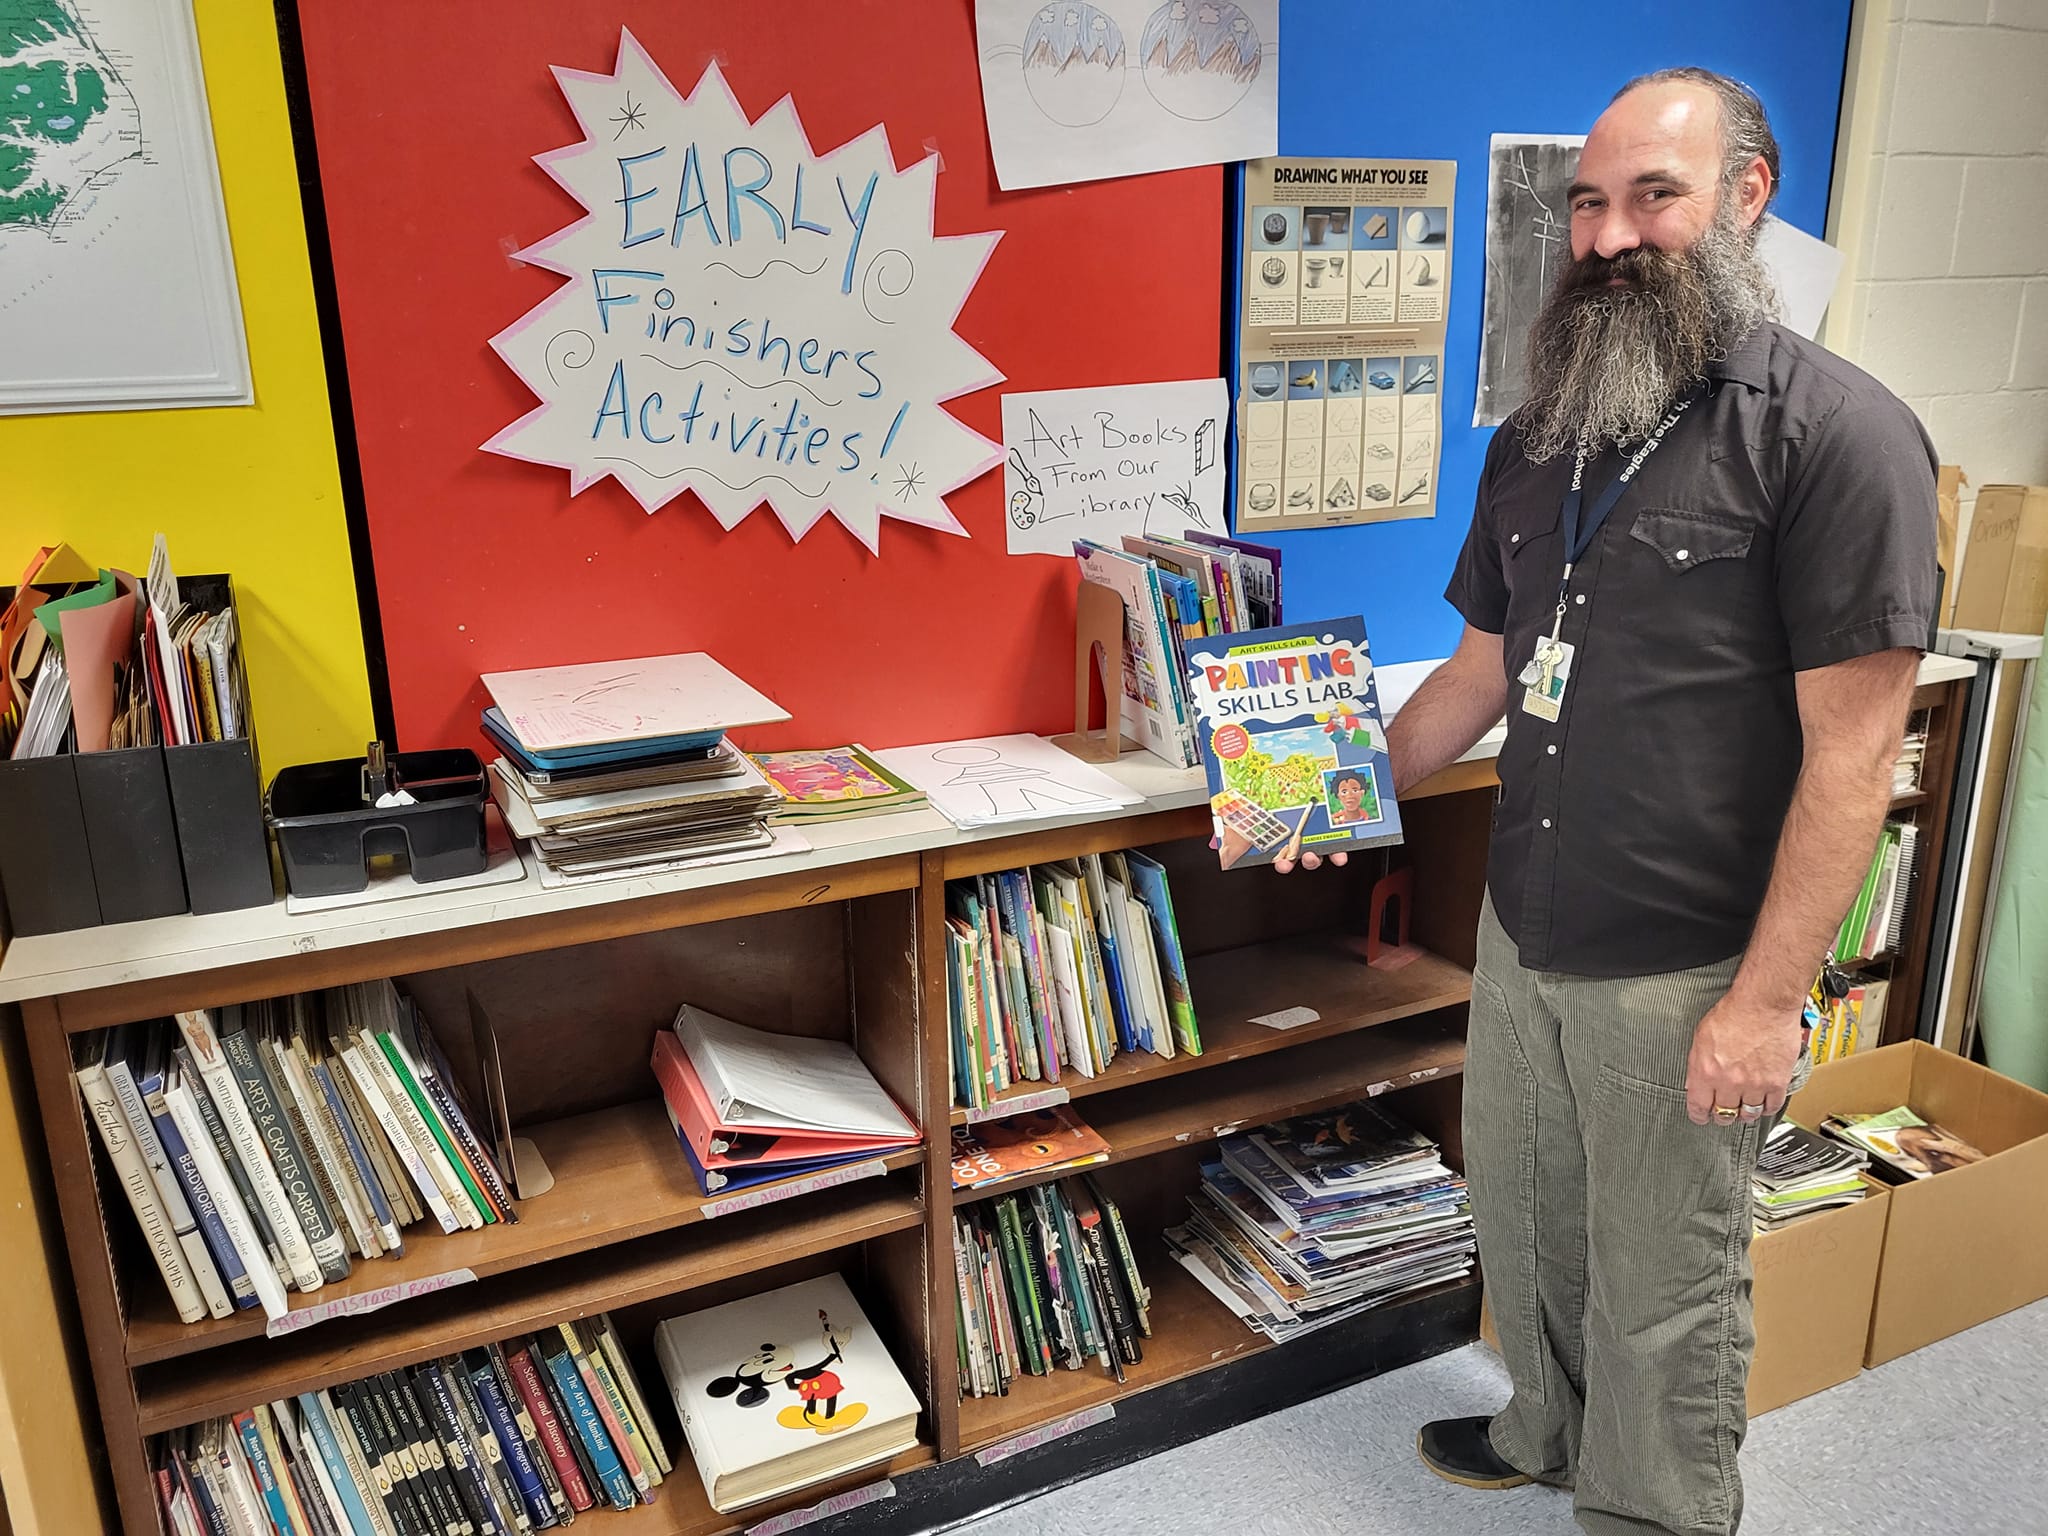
746	318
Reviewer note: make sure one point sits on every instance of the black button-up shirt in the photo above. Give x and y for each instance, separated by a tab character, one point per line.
1786	523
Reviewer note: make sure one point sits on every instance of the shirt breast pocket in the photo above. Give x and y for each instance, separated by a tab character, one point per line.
1531	559
1691	575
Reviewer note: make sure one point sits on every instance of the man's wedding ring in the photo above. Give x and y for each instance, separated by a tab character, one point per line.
1724	1112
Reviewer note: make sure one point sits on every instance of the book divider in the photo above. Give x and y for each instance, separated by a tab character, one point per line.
858	951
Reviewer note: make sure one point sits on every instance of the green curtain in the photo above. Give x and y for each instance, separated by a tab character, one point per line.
2012	1017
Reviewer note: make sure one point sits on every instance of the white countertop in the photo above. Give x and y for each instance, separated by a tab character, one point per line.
48	965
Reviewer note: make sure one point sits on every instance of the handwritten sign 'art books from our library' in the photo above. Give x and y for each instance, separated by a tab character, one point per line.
746	318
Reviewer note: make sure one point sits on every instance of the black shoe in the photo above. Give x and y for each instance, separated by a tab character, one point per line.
1461	1451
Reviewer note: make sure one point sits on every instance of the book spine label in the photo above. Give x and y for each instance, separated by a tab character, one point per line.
260	1467
611	1472
260	1263
104	1110
184	1225
356	1058
185	1167
522	1420
343	1475
527	1379
226	1093
366	1172
498	1413
287	1156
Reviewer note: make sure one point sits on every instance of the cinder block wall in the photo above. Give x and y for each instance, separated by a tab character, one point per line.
1947	298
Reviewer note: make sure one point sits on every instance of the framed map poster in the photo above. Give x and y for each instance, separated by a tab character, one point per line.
117	284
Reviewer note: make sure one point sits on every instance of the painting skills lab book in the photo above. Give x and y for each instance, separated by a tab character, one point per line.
1288	721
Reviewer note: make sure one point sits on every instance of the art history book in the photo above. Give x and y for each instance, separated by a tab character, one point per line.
1288	722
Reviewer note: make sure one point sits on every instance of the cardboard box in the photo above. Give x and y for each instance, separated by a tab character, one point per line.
2004	584
1949	481
1816	1282
1966	1245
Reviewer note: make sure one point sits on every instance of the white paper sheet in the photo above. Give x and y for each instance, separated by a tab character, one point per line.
1101	463
1077	91
995	779
645	698
1805	270
746	317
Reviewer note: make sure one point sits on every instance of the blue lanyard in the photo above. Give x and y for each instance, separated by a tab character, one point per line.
1578	540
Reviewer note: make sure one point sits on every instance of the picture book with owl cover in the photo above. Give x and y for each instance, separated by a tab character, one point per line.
782	1390
1288	722
1036	1141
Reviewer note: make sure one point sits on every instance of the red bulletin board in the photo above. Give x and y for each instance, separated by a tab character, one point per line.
426	118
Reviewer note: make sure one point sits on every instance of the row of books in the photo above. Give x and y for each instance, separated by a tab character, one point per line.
1799	1173
518	1436
1308	1221
1047	1280
623	768
1876	920
263	1150
1062	966
749	1107
1175	590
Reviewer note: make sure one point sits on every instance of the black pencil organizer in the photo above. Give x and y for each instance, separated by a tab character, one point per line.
217	792
327	833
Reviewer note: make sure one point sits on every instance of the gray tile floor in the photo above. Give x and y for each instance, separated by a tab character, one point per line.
1949	1441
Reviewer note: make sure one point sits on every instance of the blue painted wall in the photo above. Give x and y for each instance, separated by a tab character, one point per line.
1434	80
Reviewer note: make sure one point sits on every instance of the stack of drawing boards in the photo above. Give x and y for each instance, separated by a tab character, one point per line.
264	1147
622	768
1307	1221
1175	590
520	1435
749	1107
1060	968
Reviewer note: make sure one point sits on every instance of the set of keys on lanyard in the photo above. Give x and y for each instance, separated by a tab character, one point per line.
1549	669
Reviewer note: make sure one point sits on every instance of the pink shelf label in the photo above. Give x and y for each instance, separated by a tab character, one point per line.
1045	1434
365	1301
768	1194
838	1504
1002	1109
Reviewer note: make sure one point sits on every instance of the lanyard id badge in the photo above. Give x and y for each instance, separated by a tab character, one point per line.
1548	671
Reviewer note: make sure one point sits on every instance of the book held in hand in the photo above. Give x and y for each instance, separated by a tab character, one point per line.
1288	722
784	1389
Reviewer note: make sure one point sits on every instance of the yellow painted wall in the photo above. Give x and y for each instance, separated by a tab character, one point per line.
252	490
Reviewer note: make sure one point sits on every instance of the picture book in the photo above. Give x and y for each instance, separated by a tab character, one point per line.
1902	1146
784	1389
1154	714
1288	722
1032	1142
834	782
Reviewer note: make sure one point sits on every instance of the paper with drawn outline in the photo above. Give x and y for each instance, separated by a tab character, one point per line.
1079	91
996	779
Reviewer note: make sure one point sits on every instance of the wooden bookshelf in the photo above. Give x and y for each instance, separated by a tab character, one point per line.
853	949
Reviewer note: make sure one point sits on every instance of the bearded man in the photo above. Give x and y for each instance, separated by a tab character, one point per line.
1698	578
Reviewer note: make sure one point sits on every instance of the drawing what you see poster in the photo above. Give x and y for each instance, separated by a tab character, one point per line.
117	289
744	317
1078	92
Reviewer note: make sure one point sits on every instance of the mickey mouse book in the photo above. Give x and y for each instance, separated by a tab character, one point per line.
783	1390
1288	721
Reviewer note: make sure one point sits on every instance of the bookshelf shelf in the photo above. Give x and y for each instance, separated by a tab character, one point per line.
1191	1331
682	1510
618	1176
1186	1111
1233	987
667	1264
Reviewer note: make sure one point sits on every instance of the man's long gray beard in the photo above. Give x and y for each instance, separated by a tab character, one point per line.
1607	363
